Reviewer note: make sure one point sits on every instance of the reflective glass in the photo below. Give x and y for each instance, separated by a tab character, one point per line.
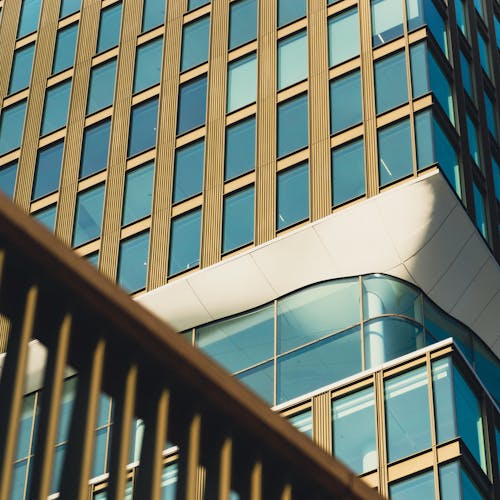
64	55
195	37
289	11
345	102
496	22
240	148
444	406
184	242
192	105
480	211
461	13
48	170
11	126
343	37
419	71
292	196
22	64
138	197
490	115
188	173
143	122
414	488
469	490
478	4
242	22
391	86
449	481
95	148
55	108
486	365
133	262
18	480
47	217
69	7
28	20
292	125
194	4
261	380
238	219
109	27
148	65
292	59
169	482
101	87
358	450
441	88
473	140
466	75
303	422
387	20
348	172
424	139
99	466
421	12
8	178
25	429
153	14
88	215
496	177
241	82
446	156
483	54
67	404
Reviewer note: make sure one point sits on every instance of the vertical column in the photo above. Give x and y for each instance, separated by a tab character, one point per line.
8	32
322	423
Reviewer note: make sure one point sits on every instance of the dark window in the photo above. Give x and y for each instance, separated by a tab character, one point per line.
143	122
345	102
133	262
88	215
348	172
188	176
64	56
138	197
240	148
238	221
195	37
109	27
95	148
292	125
21	68
242	22
192	105
11	126
48	170
292	196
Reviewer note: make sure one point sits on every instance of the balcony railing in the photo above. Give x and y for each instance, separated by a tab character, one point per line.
228	439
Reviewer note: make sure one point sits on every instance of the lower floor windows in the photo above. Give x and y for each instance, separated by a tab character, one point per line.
292	196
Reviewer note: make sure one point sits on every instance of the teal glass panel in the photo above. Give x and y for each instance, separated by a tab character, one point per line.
55	109
8	175
25	429
241	82
497	438
99	465
260	380
441	88
469	490
447	158
188	173
48	170
143	122
194	4
480	211
491	119
343	37
109	27
292	196
487	366
18	481
57	468
421	12
240	149
242	22
484	56
66	409
318	364
466	75
101	87
28	20
195	43
11	126
289	11
419	71
391	86
473	140
103	416
93	258
192	105
240	342
303	422
64	56
238	219
394	163
444	405
478	4
292	59
153	14
424	139
292	125
95	148
133	262
348	172
169	482
317	311
449	481
461	14
358	450
496	177
345	102
88	215
47	217
496	22
69	7
414	488
138	197
407	414
148	64
387	20
22	64
184	242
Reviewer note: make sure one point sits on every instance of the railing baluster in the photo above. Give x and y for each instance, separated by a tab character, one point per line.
256	481
219	466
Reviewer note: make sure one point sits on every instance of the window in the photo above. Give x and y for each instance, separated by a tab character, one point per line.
8	179
466	75
394	163
143	120
303	422
88	215
446	156
478	4
292	59
138	197
48	170
461	12
242	22
95	148
69	7
21	68
192	105
496	181
238	219
424	139
185	242
391	86
194	4
387	20
292	125
64	56
343	37
345	102
348	172
133	262
28	20
47	217
454	482
241	82
441	88
240	149
188	175
473	140
148	65
195	43
292	196
290	11
153	14
419	486
419	70
55	109
101	87
490	115
11	126
109	27
484	56
480	211
422	12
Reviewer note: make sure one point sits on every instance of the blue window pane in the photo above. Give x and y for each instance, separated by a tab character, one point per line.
69	7
185	242
109	27
133	262
192	105
480	211
48	170
441	87
394	163
237	226
292	196
101	87
47	217
449	481
93	258
138	196
422	12
24	444
67	405
55	109
153	14
484	56
194	4
415	488
241	82
289	11
292	59
95	148
21	68
419	71
387	20
496	177
461	13
491	119
28	21
242	22
64	56
188	176
473	140
148	65
240	149
18	481
260	380
11	126
195	36
143	122
469	490
345	102
303	422
88	215
466	75
292	125
446	156
348	172
169	482
99	464
424	139
8	179
343	37
391	86
444	407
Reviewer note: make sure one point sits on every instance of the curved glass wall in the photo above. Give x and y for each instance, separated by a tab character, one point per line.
332	330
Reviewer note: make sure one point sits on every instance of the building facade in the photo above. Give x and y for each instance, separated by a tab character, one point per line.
309	190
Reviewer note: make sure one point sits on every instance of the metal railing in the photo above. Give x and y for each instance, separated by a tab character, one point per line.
228	439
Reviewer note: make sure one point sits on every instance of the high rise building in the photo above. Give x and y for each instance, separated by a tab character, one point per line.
309	190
